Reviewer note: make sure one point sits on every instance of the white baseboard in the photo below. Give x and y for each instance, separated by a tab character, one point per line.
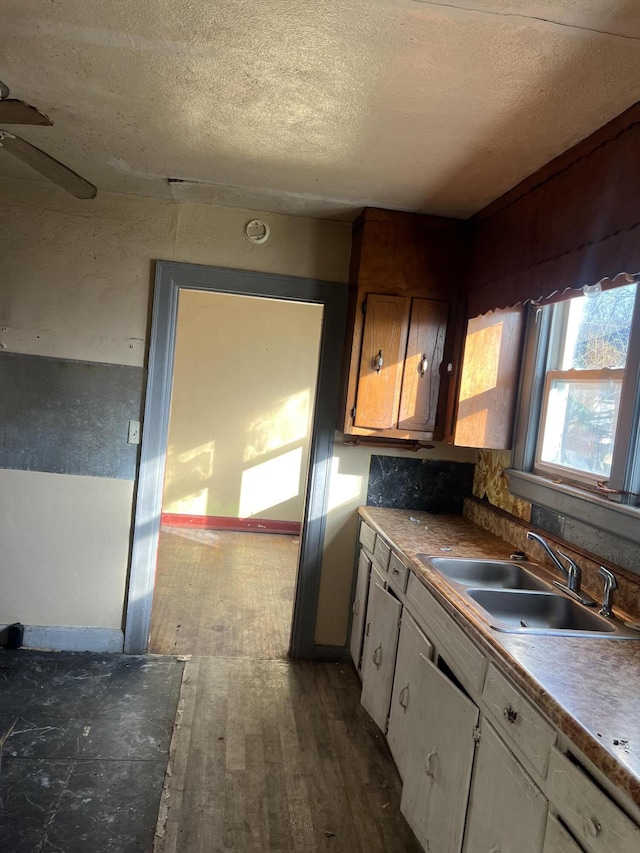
61	638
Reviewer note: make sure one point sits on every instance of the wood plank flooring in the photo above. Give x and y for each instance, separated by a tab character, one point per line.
223	593
278	756
268	755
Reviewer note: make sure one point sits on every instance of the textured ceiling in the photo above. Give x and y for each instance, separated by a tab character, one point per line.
317	108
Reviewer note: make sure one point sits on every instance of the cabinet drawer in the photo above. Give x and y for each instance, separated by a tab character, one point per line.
367	537
596	821
398	572
557	839
462	655
381	553
521	724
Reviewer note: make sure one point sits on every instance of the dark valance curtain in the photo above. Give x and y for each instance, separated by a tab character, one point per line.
575	222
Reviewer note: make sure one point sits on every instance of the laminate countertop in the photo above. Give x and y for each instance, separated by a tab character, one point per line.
589	687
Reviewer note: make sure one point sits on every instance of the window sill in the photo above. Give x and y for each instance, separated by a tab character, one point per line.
615	519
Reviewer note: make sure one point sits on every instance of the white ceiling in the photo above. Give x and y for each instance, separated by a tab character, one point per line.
317	108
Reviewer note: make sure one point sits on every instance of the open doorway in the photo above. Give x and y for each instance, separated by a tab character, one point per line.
171	279
242	403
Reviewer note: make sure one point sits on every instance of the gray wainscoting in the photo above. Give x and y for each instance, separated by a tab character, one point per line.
68	417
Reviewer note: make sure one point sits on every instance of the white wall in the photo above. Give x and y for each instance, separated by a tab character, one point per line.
76	283
244	381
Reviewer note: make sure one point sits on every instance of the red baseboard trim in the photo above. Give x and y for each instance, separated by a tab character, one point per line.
220	522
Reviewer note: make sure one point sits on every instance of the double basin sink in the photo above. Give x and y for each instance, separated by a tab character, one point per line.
512	598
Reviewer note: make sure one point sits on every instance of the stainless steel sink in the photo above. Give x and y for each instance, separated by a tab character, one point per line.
511	598
488	574
545	613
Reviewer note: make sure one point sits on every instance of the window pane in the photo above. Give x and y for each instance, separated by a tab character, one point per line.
598	327
580	424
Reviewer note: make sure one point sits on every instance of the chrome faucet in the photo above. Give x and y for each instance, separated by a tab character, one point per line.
610	584
571	571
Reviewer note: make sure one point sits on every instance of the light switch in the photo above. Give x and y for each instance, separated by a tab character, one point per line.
134	432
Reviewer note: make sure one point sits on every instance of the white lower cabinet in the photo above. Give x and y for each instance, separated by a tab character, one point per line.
499	786
594	819
438	768
507	811
407	700
359	608
379	652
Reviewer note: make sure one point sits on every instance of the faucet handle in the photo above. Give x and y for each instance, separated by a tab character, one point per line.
574	570
610	584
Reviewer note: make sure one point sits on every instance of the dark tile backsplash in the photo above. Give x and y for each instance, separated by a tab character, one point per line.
419	484
547	519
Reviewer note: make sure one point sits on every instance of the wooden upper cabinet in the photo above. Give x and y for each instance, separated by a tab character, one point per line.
489	379
382	361
405	270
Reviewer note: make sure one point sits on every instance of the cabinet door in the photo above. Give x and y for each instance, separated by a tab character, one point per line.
379	654
507	812
489	380
384	340
405	716
421	378
435	788
359	608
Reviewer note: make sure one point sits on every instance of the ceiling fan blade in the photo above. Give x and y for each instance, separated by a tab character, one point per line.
13	111
47	166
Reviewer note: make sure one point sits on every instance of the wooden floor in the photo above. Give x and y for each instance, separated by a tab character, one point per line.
278	756
223	593
268	755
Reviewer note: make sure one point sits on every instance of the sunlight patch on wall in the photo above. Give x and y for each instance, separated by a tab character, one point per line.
344	488
204	456
270	483
189	472
286	423
194	504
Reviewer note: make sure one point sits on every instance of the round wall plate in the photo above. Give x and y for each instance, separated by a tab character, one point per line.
256	231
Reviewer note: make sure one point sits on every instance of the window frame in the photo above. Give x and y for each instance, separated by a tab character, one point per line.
567	472
615	515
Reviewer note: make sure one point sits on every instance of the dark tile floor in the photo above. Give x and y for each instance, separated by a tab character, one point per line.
84	766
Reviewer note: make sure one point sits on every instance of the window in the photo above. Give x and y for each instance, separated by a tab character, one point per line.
582	385
580	397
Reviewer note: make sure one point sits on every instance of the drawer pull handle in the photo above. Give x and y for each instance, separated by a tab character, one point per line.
594	828
428	764
403	698
378	362
510	714
395	571
377	656
356	607
424	365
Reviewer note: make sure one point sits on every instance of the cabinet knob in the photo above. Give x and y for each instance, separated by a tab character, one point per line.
594	827
510	714
424	364
378	361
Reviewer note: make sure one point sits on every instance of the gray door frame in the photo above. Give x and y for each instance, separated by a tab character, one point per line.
170	278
